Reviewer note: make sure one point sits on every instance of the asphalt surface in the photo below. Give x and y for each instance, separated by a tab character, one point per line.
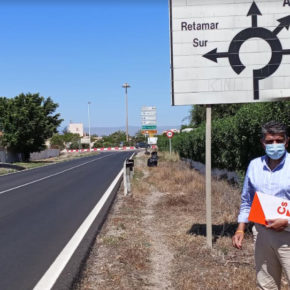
41	209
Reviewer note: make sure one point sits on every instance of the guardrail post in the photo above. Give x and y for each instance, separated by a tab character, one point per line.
125	179
128	175
128	179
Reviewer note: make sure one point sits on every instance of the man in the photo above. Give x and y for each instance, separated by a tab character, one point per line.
269	174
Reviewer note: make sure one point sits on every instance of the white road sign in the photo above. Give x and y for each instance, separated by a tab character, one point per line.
144	108
226	51
148	122
149	118
152	140
148	113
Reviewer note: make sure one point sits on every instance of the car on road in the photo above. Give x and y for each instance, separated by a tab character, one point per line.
142	145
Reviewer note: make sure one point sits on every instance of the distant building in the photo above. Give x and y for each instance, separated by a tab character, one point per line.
76	128
187	130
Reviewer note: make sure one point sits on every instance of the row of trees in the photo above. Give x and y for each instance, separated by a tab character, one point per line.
26	122
116	139
235	133
119	139
67	140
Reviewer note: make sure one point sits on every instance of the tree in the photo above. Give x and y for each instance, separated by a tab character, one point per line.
27	121
113	140
197	112
139	137
61	141
71	137
57	142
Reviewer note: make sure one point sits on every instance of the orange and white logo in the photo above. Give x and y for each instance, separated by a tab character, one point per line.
267	206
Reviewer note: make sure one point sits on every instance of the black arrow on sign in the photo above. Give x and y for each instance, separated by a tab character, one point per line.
271	37
284	23
254	12
213	55
286	51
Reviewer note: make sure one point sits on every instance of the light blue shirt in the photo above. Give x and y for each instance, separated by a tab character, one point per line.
261	178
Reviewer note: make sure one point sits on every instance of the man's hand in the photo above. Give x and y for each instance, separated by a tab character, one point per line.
277	225
238	237
237	240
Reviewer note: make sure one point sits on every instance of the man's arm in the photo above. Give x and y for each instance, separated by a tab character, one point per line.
246	202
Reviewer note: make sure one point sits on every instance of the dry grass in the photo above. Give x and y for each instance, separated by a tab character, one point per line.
146	244
183	205
120	257
4	171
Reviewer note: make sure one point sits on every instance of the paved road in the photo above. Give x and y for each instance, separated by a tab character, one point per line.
41	209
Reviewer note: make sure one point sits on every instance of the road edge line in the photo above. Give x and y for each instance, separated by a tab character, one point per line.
50	277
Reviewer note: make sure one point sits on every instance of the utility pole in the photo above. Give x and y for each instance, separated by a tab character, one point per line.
126	86
89	125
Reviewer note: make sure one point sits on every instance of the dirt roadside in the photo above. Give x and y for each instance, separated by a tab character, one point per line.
155	238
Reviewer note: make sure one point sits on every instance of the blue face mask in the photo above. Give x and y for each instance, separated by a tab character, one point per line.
275	151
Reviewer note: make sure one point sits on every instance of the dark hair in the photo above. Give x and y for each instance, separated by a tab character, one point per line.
274	127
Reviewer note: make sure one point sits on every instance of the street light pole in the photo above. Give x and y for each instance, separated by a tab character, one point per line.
89	125
126	86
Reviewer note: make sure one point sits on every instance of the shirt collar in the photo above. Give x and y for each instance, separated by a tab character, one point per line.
265	159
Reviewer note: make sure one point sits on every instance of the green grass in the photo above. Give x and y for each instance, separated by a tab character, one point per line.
61	158
4	171
29	165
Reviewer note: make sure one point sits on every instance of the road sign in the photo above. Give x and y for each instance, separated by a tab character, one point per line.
149	118
149	127
169	134
229	51
149	132
152	140
148	113
150	122
147	108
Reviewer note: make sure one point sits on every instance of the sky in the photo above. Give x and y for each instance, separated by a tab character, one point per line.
83	51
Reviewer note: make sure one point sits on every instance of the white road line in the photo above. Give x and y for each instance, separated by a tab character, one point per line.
49	278
49	176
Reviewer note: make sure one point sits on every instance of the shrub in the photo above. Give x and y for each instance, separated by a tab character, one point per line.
235	138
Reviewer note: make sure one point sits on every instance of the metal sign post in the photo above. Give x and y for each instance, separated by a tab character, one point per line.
170	134
208	176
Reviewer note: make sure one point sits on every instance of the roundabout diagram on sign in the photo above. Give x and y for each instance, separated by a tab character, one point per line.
271	37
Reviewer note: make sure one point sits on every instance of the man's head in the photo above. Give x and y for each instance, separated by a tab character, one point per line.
274	133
